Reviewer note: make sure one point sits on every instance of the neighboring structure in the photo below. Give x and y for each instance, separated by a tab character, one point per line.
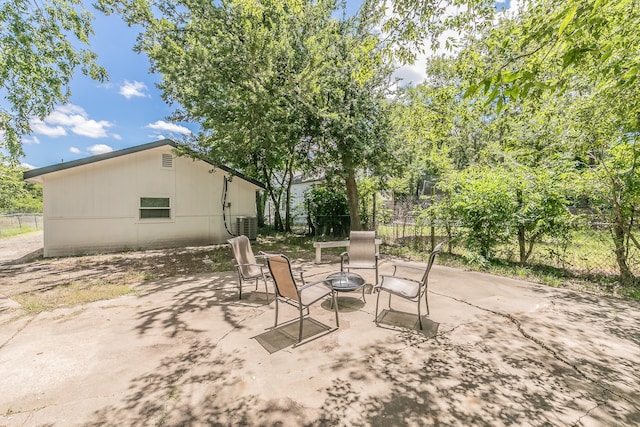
300	186
142	197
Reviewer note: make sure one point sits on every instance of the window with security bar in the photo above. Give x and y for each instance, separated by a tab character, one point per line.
155	207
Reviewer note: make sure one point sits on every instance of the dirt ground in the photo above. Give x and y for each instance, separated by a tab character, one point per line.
23	270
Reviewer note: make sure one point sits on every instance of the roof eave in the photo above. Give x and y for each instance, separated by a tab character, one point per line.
35	175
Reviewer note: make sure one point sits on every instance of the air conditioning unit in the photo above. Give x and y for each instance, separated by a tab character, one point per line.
247	225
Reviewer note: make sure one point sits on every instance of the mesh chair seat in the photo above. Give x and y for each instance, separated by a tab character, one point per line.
403	287
408	288
312	294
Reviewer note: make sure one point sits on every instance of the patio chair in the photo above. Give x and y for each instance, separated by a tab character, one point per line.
246	264
407	288
361	252
289	292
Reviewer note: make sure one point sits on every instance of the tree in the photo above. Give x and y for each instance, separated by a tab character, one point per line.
548	42
483	203
587	52
275	85
16	195
611	157
239	68
39	43
351	125
542	208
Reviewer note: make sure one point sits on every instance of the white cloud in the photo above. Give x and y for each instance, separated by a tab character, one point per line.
28	166
515	6
100	149
31	140
116	136
66	115
416	72
75	150
131	89
70	118
92	128
41	128
168	127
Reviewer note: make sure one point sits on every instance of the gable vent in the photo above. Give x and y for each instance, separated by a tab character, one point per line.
167	161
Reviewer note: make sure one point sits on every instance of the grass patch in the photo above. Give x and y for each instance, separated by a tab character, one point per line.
292	245
71	294
10	232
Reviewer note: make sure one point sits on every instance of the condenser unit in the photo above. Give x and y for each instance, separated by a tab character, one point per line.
247	225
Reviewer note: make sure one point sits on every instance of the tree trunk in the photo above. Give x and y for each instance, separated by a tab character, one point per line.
522	241
352	193
275	198
277	217
287	212
374	212
261	199
618	232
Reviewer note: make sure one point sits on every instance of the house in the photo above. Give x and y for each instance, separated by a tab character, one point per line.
299	187
141	198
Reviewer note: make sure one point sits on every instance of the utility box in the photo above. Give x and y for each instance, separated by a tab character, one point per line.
247	225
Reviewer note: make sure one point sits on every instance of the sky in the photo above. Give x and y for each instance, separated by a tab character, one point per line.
127	110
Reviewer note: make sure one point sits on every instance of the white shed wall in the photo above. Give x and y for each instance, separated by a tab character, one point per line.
95	207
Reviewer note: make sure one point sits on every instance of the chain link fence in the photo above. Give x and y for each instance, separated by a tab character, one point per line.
12	223
588	252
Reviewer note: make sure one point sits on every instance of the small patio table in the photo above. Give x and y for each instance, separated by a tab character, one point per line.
343	281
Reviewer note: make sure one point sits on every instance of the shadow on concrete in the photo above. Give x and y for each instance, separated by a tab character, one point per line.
197	294
29	275
393	319
482	370
154	398
27	257
345	304
451	383
286	335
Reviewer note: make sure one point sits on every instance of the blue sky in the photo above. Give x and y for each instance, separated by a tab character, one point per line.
124	111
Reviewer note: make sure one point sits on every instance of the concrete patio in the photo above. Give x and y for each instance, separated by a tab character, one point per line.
186	351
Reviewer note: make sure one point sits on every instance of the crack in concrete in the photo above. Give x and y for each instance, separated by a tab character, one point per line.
586	414
4	344
542	345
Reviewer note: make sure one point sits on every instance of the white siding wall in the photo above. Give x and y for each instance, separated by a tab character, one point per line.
95	207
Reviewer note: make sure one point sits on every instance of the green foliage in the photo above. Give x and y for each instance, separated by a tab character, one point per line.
40	54
542	209
482	201
17	195
497	205
327	209
548	43
553	96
